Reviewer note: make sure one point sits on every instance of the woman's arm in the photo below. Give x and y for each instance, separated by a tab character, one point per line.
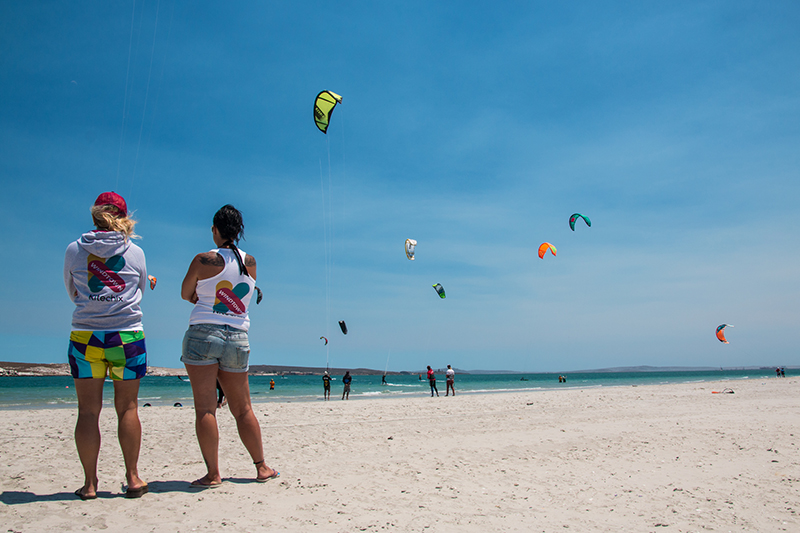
69	283
189	285
250	263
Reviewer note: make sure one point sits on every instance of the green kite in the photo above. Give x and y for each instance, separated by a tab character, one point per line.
323	109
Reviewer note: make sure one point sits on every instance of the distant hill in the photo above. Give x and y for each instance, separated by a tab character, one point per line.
645	368
310	370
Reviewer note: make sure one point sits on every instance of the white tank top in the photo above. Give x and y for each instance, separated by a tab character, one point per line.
224	298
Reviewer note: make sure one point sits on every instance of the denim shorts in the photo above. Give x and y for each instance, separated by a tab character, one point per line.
210	344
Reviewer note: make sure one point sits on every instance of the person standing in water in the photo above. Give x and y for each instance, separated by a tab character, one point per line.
450	377
105	275
220	284
346	380
432	381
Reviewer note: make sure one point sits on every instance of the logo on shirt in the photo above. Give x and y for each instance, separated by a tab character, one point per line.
104	273
229	298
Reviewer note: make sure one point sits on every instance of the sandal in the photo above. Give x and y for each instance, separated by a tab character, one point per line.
275	473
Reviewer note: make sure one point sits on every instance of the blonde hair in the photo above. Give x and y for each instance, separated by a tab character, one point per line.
106	217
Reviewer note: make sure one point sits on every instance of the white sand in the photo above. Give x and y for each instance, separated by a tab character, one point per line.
655	458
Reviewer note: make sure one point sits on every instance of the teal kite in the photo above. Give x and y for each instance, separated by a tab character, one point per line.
574	218
323	109
439	290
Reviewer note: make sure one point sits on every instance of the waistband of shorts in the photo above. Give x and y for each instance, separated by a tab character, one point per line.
216	327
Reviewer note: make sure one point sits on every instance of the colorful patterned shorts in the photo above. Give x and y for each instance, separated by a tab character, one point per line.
121	354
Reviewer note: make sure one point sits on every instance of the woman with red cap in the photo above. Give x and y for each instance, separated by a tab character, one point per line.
105	275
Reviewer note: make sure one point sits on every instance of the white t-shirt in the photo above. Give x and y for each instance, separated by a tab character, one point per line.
450	374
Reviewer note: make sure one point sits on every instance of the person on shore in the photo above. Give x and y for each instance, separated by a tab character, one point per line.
432	381
220	284
105	275
346	380
450	378
221	401
326	385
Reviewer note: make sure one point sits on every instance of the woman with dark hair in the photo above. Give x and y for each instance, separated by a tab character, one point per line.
105	275
215	348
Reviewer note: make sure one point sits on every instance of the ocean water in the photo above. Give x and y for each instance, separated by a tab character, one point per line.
58	391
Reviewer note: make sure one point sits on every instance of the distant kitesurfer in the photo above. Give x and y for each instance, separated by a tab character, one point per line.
346	380
221	401
326	385
450	378
432	382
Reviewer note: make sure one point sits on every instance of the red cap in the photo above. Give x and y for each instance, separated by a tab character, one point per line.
112	198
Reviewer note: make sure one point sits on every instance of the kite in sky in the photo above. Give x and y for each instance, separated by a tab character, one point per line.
343	326
721	332
326	340
544	247
439	290
323	109
410	245
574	218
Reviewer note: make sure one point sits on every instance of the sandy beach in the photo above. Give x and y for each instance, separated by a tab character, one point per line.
647	458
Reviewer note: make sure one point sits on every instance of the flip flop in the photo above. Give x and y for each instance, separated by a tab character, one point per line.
137	493
79	493
275	474
196	484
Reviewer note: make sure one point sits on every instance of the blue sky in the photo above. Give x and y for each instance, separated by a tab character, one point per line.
476	128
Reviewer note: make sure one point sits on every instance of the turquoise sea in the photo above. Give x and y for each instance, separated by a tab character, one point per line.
58	391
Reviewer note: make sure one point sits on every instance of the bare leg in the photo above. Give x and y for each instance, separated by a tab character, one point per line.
237	388
204	390
129	428
87	429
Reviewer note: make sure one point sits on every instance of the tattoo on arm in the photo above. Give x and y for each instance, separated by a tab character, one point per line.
249	261
215	260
